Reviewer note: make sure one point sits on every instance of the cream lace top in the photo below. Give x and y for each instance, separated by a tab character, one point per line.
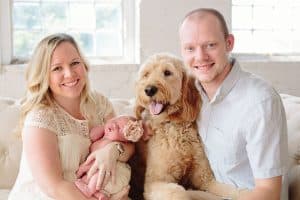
73	140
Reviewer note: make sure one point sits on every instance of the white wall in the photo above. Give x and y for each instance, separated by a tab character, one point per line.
159	22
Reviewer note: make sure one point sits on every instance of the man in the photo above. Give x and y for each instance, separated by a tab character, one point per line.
242	121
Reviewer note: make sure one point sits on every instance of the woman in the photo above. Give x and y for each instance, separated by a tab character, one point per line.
57	113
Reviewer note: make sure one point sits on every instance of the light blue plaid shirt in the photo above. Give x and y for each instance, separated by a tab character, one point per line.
244	129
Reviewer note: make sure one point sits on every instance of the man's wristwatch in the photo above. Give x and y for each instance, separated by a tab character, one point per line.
120	148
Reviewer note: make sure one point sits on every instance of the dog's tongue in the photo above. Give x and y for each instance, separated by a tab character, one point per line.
155	108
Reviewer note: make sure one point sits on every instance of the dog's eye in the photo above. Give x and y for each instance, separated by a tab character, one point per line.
145	75
167	73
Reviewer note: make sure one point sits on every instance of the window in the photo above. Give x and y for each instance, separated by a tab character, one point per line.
104	29
266	27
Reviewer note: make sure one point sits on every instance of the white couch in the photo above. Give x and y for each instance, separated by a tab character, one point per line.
10	144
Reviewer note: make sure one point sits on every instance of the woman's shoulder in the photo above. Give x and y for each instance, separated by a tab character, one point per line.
99	97
103	105
101	101
42	117
41	110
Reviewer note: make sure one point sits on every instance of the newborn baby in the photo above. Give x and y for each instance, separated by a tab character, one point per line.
120	129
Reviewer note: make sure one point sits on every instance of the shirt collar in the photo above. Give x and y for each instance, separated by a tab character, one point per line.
226	86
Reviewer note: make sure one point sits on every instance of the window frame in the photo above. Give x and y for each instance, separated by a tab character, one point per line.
6	32
130	39
264	57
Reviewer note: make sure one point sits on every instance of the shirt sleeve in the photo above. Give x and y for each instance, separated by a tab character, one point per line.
267	139
41	118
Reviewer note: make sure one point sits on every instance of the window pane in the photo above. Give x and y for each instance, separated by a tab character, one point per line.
85	42
296	16
54	16
242	16
280	22
242	2
97	25
296	41
261	20
264	2
26	0
243	42
76	1
24	41
295	2
262	41
108	16
273	24
82	16
26	16
280	43
109	44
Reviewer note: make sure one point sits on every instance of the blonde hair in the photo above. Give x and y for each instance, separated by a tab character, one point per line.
38	93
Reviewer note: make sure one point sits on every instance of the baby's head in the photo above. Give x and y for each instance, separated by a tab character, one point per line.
126	127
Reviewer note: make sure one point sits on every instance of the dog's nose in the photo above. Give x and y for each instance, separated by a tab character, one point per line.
150	90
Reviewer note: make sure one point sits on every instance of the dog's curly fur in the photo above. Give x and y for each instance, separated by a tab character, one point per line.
173	158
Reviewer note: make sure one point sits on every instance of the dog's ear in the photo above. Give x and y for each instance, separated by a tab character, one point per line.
191	101
138	109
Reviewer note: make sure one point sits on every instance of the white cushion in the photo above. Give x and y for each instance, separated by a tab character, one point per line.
4	194
10	143
292	109
123	106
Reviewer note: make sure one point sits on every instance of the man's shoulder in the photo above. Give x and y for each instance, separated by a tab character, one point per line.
257	88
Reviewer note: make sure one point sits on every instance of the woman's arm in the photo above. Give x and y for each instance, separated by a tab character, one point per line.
42	153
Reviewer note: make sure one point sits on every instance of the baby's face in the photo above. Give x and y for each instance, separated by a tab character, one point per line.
115	126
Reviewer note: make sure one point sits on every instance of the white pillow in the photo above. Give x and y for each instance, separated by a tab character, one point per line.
123	106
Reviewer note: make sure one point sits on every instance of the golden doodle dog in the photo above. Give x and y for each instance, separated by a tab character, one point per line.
173	157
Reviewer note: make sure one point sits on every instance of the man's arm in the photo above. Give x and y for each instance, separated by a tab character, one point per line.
269	188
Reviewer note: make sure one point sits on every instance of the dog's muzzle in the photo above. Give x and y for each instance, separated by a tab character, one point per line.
151	90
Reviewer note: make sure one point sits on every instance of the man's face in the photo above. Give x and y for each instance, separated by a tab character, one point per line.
205	49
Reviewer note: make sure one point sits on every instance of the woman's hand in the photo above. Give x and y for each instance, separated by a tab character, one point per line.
105	160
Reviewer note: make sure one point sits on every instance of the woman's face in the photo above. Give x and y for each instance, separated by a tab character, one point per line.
67	72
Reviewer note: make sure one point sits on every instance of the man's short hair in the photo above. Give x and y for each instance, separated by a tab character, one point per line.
198	13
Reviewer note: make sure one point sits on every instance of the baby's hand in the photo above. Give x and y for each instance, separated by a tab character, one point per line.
103	197
83	168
